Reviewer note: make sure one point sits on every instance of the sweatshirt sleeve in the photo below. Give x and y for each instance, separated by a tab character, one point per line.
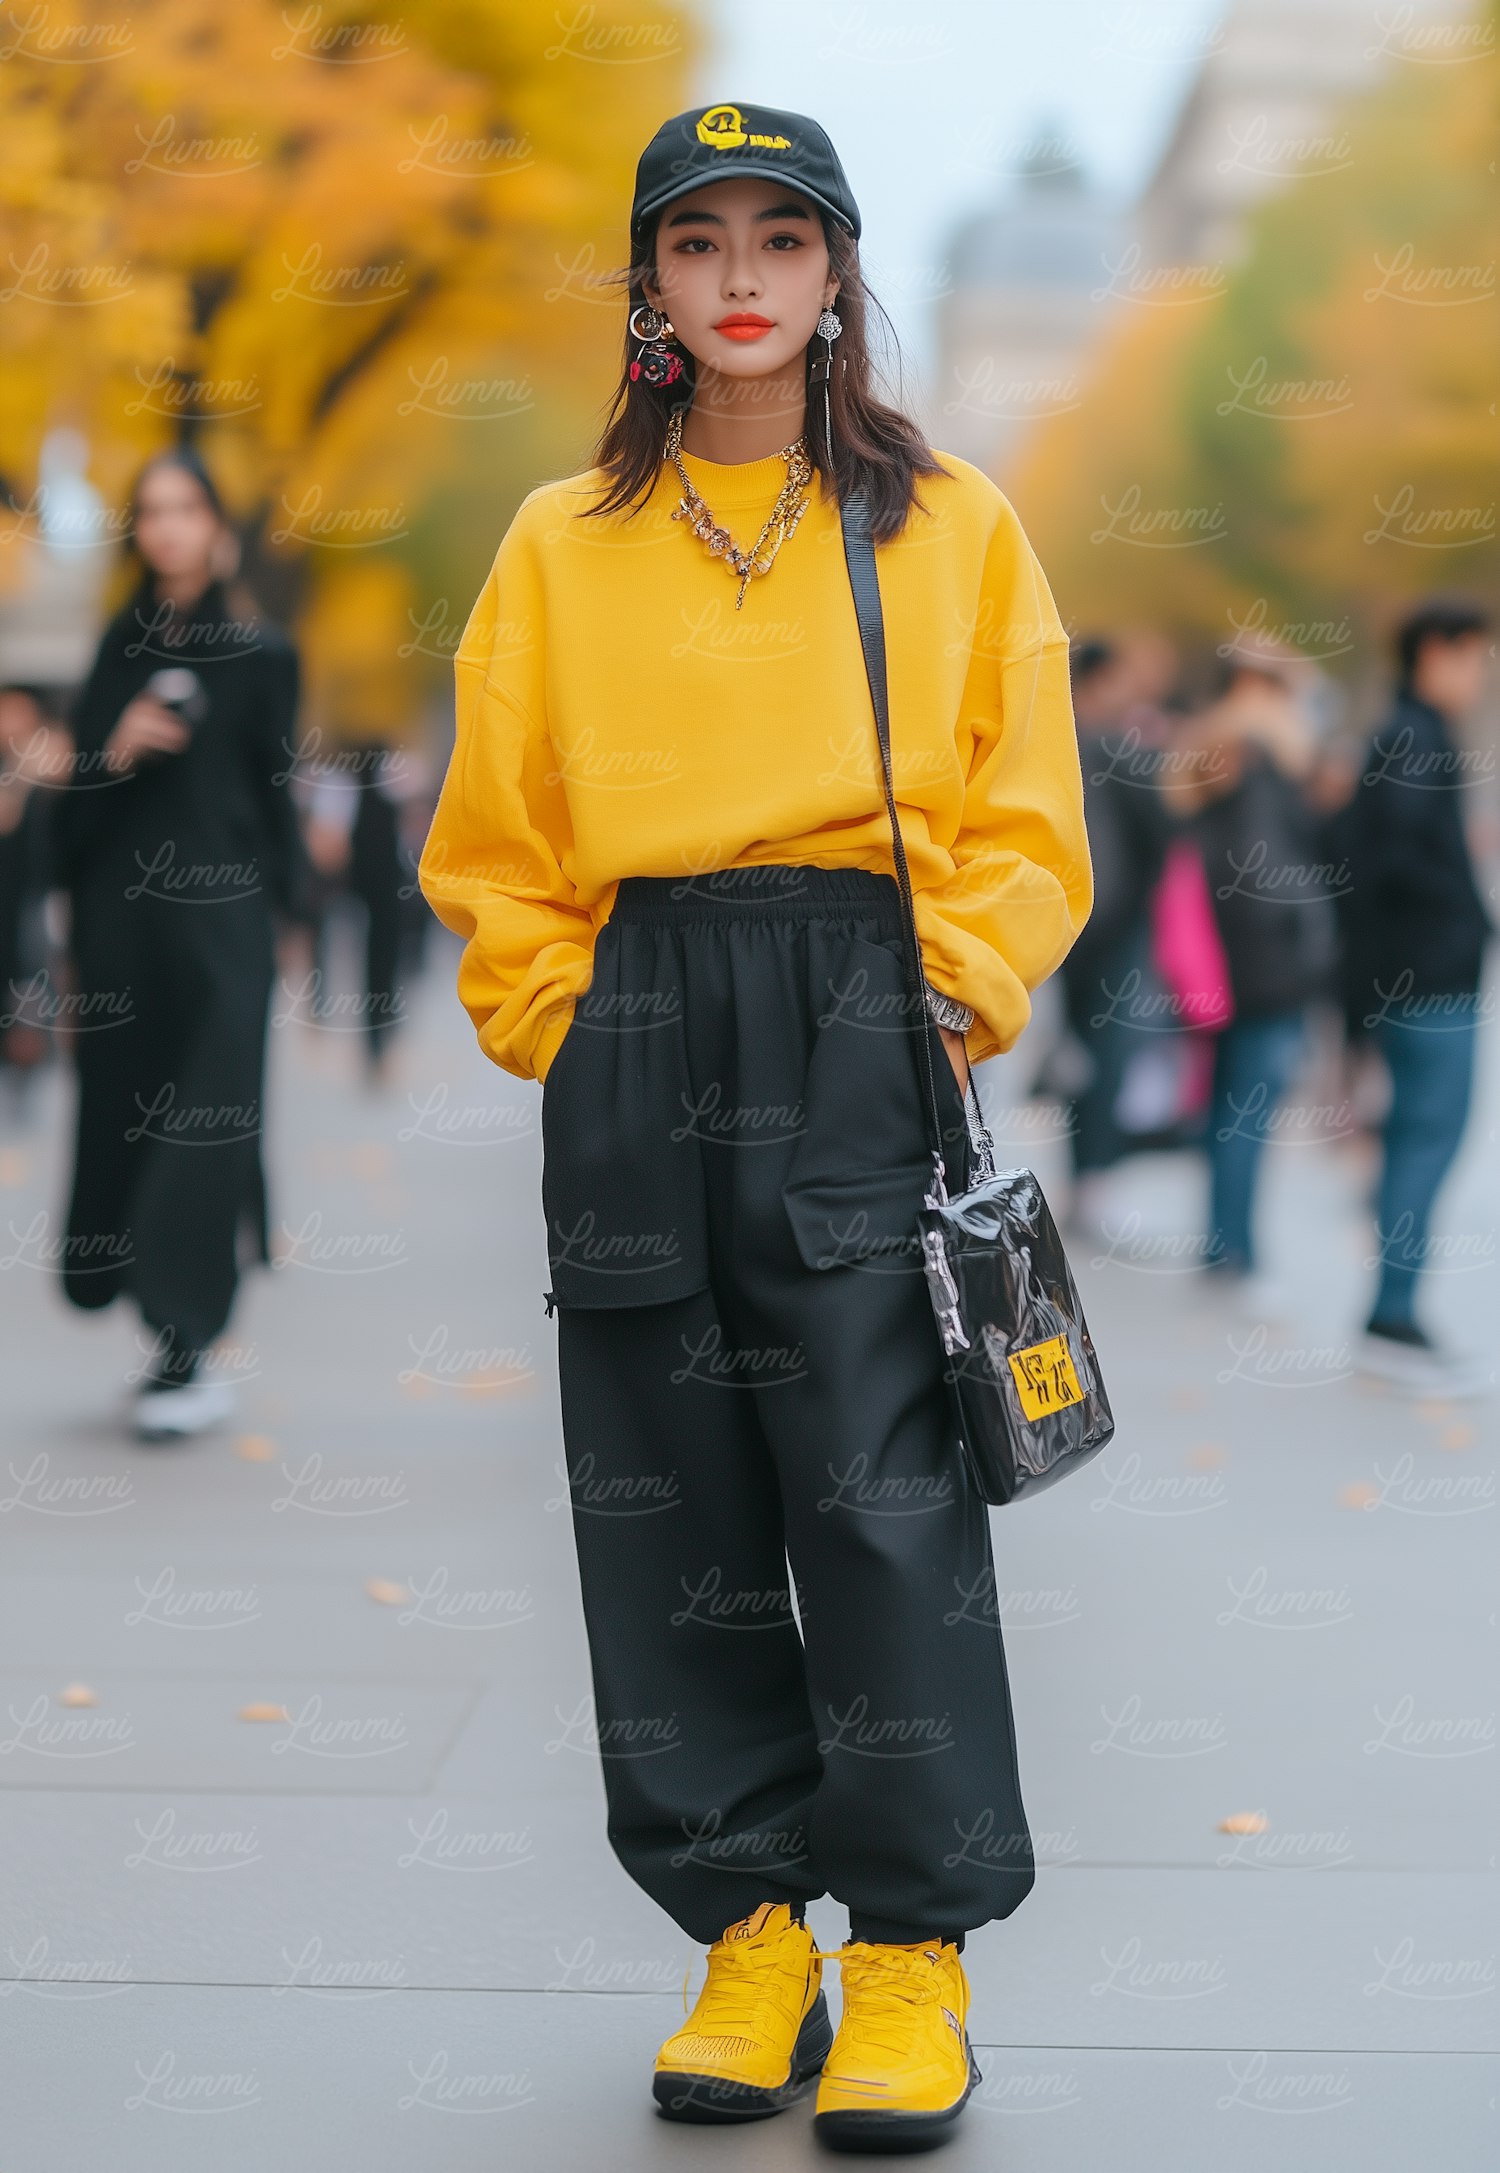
493	868
1022	885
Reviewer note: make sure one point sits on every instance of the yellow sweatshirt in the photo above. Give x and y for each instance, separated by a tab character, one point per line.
616	715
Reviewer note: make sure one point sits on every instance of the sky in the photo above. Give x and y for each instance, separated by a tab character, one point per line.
932	104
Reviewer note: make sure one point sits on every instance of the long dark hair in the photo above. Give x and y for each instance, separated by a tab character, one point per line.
237	595
875	447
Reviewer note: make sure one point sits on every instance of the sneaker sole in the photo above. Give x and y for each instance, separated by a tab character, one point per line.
876	2131
156	1420
155	1432
709	2099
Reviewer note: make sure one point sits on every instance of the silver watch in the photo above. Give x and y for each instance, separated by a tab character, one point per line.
947	1010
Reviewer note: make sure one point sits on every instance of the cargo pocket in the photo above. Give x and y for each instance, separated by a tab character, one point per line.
861	1168
862	1219
623	1198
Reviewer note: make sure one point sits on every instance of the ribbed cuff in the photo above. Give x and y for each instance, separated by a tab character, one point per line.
887	1932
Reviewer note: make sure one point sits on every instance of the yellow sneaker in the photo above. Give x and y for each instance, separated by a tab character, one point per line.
901	2067
760	2029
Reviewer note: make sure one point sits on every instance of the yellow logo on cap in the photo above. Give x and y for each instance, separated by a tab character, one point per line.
724	128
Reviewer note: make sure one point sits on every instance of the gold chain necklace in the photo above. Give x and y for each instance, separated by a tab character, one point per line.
782	521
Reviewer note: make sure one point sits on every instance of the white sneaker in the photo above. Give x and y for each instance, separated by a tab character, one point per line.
174	1414
1423	1369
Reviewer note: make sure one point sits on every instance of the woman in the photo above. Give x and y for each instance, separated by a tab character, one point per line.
664	835
177	839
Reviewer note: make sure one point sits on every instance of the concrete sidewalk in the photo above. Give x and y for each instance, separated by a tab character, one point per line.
386	1929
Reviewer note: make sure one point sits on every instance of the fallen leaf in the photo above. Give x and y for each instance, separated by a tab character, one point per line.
1457	1437
77	1694
1359	1496
388	1594
256	1448
1244	1822
263	1712
1207	1457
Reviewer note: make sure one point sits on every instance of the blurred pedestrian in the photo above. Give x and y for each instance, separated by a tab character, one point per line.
178	843
1128	828
354	840
1332	795
35	757
1240	774
1415	965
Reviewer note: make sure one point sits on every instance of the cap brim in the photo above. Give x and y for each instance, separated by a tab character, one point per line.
732	170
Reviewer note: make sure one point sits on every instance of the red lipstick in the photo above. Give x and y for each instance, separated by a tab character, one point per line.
743	325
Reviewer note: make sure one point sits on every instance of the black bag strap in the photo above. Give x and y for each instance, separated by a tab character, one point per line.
859	553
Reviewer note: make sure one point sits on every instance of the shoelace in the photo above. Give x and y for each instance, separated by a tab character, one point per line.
742	1976
887	1983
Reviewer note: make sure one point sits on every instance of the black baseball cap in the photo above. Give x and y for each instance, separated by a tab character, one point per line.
716	143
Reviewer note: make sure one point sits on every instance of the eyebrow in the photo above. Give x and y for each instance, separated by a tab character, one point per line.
712	218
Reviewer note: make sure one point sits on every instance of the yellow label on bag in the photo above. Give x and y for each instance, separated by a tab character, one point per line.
1045	1377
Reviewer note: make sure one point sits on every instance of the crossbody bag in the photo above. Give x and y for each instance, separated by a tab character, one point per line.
1026	1387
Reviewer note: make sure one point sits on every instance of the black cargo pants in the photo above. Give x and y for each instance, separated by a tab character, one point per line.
734	1153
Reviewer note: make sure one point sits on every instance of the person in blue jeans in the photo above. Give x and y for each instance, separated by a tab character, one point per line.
1415	941
1239	776
1432	1077
1255	1062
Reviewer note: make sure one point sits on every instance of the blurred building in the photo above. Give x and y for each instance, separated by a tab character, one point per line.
1023	309
1039	274
1265	105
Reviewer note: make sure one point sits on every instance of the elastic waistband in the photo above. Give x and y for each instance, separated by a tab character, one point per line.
773	891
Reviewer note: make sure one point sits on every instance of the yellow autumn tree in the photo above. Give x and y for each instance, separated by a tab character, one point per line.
353	252
1118	518
1336	400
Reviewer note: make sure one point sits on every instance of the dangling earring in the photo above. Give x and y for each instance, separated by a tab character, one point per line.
830	326
655	364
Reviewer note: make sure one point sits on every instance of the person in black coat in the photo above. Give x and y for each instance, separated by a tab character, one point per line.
1416	932
177	840
1128	828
